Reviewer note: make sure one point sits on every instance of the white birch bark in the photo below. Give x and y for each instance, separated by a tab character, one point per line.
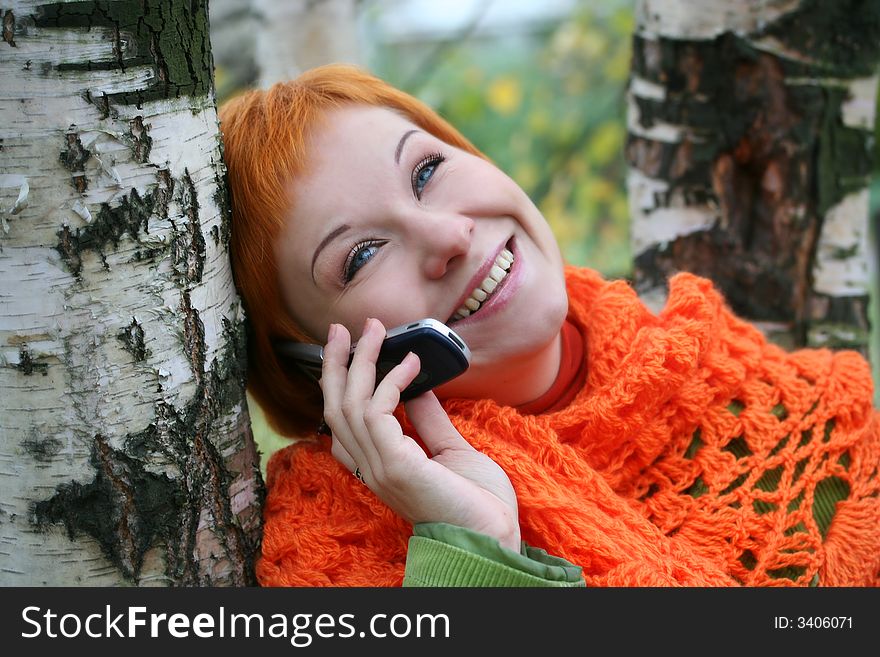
844	265
706	19
125	450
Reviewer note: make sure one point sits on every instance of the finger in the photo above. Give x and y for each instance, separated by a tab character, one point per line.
334	378
387	393
334	375
359	391
433	424
334	368
362	372
341	454
346	461
379	412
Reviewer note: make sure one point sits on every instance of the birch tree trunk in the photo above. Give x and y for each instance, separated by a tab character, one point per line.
296	35
750	144
126	455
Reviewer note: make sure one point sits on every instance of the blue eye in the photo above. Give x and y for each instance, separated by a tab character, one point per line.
359	255
423	172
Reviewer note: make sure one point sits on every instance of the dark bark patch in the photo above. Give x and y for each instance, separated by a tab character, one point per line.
170	36
74	157
223	196
188	243
68	247
129	217
9	28
163	192
132	338
140	139
194	337
123	508
26	363
843	35
129	508
42	450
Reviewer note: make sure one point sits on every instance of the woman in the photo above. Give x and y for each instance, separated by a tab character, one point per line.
636	449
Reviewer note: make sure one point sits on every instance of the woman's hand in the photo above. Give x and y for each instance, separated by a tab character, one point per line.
457	484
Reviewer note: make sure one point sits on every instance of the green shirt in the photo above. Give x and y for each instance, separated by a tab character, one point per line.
445	555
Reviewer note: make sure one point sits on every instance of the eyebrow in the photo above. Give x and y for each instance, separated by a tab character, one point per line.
336	232
401	143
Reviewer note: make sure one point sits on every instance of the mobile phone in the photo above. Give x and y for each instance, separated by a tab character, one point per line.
442	353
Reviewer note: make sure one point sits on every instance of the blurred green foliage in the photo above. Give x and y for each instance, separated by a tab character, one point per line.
547	105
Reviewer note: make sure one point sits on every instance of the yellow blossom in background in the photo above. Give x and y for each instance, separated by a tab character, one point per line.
505	95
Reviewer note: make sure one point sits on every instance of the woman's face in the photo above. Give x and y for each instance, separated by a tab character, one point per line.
392	223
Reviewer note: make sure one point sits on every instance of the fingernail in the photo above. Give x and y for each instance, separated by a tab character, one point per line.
331	333
367	324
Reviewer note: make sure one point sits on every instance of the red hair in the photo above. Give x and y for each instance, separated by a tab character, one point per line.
265	147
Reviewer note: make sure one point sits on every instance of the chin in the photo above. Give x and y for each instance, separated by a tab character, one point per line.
510	359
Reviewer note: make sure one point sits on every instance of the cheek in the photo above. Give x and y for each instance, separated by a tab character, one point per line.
312	314
509	197
382	302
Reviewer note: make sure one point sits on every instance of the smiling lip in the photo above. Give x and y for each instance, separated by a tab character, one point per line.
481	275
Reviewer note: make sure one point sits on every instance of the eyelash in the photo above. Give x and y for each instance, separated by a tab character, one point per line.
347	272
435	159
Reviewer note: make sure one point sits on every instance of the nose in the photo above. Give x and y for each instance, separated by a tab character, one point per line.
444	239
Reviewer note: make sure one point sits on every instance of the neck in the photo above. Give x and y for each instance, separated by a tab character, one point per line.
530	378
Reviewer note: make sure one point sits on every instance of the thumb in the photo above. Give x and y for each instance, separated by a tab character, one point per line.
433	425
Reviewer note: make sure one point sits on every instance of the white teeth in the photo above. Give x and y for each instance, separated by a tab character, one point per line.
499	270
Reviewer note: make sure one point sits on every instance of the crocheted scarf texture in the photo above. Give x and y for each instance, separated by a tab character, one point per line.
696	454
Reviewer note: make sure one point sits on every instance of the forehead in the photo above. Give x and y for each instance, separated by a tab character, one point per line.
350	152
354	127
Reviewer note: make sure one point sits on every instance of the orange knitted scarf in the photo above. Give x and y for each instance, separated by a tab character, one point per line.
695	454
